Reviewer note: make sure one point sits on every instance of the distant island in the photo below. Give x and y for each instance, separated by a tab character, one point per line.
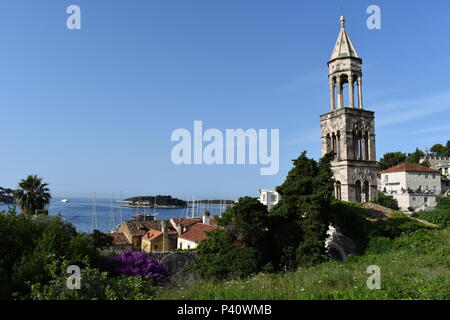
166	202
158	201
6	196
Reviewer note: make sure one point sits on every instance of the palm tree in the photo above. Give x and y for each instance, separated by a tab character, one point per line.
32	194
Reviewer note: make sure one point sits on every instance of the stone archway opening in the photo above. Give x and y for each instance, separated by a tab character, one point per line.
358	191
366	192
338	190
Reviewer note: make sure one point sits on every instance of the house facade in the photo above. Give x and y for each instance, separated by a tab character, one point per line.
415	187
135	231
191	238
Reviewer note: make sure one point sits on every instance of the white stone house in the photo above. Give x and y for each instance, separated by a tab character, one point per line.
268	197
413	186
190	237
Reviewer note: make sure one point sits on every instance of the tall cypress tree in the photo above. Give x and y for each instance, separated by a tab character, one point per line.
300	219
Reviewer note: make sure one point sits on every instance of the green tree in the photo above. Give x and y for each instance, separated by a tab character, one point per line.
39	246
219	257
415	156
304	208
391	159
387	201
101	239
247	221
32	194
440	150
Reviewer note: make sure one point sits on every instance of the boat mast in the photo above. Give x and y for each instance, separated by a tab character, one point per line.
94	214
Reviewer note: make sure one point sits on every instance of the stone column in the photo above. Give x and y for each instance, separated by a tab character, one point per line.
360	99
351	91
332	104
339	87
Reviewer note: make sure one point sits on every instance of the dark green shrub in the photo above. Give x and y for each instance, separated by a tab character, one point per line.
387	201
220	258
95	285
379	245
437	216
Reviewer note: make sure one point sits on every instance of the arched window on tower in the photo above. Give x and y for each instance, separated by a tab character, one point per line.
358	145
366	146
366	193
338	190
358	191
333	143
338	145
328	142
344	84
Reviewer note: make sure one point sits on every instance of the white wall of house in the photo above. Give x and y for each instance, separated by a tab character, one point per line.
186	244
425	186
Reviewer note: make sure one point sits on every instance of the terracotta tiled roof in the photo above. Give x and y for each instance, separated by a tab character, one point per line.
139	228
189	222
186	222
119	239
411	167
197	232
151	235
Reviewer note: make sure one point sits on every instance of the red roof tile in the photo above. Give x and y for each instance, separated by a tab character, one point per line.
197	232
186	222
151	235
411	167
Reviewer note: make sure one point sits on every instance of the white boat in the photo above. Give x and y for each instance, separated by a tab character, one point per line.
64	200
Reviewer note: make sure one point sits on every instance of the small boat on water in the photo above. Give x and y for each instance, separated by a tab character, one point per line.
64	200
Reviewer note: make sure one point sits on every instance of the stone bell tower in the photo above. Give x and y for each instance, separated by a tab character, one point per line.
349	129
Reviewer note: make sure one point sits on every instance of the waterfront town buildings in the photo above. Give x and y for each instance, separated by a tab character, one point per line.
164	235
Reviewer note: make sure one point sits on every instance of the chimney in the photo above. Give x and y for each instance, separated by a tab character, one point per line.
206	217
179	229
165	231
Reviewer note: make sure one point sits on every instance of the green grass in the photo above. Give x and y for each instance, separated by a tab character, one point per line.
412	267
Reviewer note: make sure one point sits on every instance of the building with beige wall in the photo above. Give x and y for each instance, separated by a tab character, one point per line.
413	186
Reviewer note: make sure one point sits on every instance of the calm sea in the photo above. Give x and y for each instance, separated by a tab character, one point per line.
79	211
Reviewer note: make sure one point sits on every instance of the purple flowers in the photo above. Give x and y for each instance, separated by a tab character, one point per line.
139	264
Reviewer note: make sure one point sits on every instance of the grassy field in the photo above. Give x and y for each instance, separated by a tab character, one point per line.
412	267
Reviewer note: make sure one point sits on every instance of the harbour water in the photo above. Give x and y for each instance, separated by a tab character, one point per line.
79	211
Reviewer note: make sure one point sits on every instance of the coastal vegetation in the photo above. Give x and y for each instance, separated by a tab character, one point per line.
32	195
35	252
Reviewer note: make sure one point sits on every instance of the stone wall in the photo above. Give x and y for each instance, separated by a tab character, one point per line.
177	263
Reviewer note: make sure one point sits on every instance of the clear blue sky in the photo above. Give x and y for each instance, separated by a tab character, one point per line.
93	110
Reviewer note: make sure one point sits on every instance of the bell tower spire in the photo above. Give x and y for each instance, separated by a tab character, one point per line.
348	130
344	67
